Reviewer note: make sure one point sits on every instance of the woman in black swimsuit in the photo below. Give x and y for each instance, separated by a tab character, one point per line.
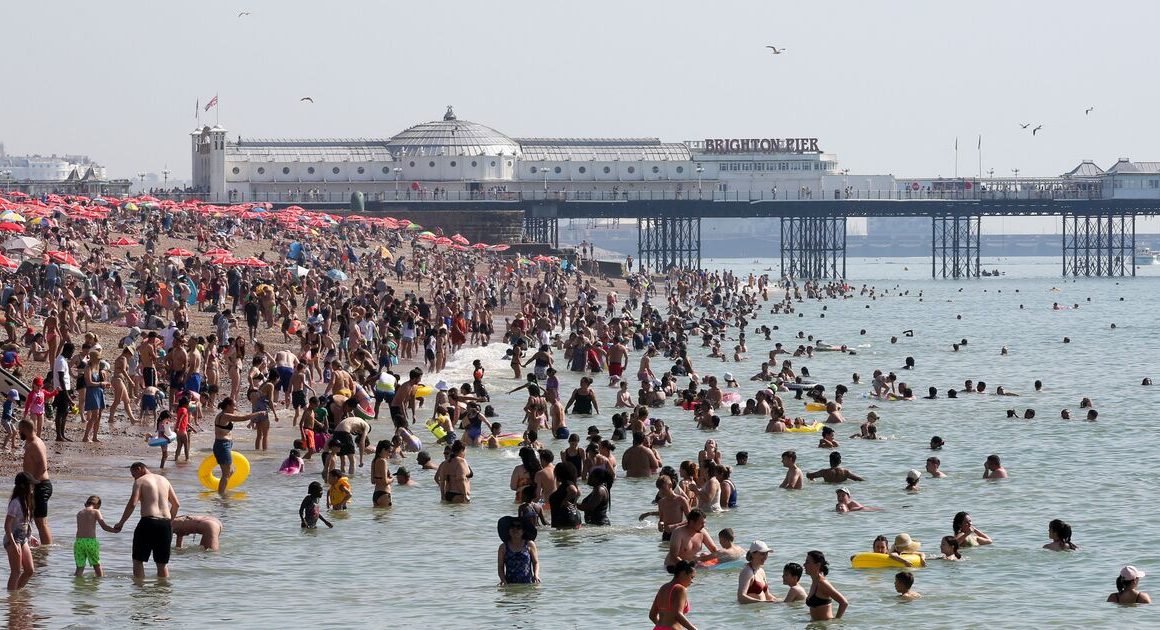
822	593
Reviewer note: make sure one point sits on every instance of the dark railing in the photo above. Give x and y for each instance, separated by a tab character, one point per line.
611	196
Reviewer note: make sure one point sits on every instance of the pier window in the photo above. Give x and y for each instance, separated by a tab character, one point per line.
334	170
607	170
261	170
452	163
431	163
631	170
534	170
556	170
386	170
361	170
583	170
237	170
285	170
656	169
680	169
310	170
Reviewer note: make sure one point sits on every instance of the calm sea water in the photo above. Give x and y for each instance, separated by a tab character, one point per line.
425	563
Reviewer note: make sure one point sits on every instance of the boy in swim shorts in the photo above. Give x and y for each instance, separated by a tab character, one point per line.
86	547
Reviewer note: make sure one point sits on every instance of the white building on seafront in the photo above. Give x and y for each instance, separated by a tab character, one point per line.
48	168
458	159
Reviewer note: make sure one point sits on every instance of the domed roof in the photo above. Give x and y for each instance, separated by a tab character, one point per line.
451	136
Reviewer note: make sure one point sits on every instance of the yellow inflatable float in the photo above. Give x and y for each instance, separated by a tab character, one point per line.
207	472
813	428
815	406
423	391
871	560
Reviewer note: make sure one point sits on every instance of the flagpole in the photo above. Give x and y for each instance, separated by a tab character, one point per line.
956	158
980	156
217	113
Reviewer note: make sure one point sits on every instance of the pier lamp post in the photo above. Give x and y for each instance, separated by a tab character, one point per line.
1016	172
165	175
700	170
398	171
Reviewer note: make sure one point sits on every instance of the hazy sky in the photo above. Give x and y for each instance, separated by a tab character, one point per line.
887	86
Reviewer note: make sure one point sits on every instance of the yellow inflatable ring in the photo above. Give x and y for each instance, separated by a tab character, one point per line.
813	428
206	473
423	391
870	560
815	406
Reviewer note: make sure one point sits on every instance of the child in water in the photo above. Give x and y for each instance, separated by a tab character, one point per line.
903	583
339	494
86	547
308	512
293	464
790	576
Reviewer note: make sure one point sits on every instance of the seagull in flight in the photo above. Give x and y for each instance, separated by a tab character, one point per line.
1024	125
1036	130
243	14
305	98
776	50
1088	111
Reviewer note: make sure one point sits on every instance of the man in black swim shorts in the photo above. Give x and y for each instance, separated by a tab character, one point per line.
154	532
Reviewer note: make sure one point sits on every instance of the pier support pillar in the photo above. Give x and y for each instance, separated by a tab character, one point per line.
664	242
542	230
813	247
1100	245
954	246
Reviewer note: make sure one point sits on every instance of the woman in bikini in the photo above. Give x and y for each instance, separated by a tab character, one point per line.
671	603
752	585
381	475
822	594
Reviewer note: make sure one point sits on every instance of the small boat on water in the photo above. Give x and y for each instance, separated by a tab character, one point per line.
1147	257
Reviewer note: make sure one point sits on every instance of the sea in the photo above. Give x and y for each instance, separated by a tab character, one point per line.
423	563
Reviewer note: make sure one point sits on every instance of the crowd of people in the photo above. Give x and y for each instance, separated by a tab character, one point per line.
325	328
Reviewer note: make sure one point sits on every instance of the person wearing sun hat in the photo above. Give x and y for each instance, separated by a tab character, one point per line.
752	586
518	559
903	543
1128	588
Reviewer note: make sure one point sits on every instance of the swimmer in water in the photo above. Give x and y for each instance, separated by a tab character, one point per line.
993	468
966	533
936	443
828	439
752	585
791	576
903	585
848	504
949	547
835	473
1128	588
1060	535
729	550
793	474
932	467
912	479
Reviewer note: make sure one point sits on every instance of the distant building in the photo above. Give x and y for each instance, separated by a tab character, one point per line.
66	174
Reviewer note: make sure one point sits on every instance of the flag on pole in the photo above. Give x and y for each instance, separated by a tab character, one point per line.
956	140
212	103
196	107
980	142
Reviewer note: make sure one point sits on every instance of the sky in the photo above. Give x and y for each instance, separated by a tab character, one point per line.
887	86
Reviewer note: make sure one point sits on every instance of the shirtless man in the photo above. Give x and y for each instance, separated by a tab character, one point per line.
454	476
932	464
835	473
36	465
193	373
672	508
154	532
640	460
645	373
688	539
340	380
176	360
147	353
358	429
404	399
617	358
993	469
764	375
208	527
793	474
284	363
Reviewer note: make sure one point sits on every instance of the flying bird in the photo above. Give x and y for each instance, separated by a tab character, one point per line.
1024	125
776	50
1036	130
243	14
305	98
1088	111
